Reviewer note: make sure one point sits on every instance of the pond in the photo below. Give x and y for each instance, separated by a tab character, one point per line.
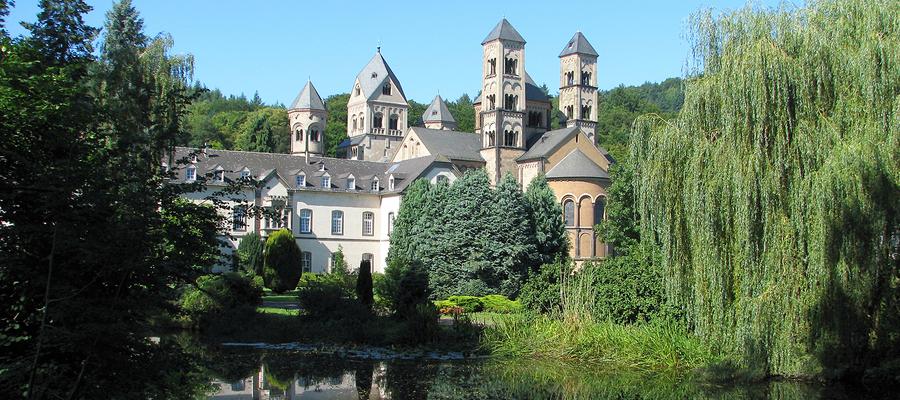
253	373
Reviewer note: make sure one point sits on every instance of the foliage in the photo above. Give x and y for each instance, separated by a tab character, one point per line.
90	260
364	284
336	124
541	292
282	268
620	106
250	254
339	263
468	303
773	194
216	294
496	303
551	239
628	287
404	286
327	298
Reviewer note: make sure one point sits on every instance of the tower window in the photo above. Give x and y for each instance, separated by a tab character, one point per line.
510	101
585	78
492	101
569	111
314	135
511	66
585	112
490	138
392	122
569	212
299	134
377	121
386	89
354	124
509	138
492	66
570	78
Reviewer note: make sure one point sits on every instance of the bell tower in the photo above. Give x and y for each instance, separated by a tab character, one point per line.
578	84
307	117
502	113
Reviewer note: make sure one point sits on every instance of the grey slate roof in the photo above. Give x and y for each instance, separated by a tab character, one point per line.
263	165
308	98
532	91
438	111
578	45
548	143
577	165
503	31
374	75
451	144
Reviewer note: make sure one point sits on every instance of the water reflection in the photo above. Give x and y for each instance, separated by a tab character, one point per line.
263	375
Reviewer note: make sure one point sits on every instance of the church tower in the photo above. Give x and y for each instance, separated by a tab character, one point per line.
307	117
500	117
437	115
578	85
376	113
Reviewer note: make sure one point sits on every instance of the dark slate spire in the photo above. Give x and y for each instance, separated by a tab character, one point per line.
578	45
308	98
504	31
438	112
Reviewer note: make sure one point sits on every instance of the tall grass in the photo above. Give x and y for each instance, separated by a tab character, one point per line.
575	334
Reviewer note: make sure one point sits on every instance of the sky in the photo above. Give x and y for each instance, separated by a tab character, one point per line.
273	46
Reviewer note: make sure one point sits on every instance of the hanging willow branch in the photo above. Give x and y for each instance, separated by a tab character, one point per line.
775	193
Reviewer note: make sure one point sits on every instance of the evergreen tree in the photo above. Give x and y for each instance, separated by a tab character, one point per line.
406	235
551	239
513	250
282	268
60	33
250	254
364	284
339	263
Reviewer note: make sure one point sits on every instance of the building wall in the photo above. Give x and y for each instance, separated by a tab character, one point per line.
584	194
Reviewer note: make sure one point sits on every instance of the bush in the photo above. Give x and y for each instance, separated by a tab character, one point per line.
629	288
541	292
215	294
404	286
282	268
468	303
364	284
326	297
250	254
500	304
422	323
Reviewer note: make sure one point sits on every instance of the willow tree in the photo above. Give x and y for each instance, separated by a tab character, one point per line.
774	193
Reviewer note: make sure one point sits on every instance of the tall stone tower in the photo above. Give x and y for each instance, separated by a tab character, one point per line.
307	117
376	113
502	112
578	84
437	115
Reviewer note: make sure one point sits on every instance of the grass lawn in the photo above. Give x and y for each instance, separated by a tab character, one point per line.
278	311
286	297
486	318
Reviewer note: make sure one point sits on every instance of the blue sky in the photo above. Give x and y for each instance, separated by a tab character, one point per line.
272	46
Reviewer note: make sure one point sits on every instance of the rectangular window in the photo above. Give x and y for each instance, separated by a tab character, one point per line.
305	221
375	185
326	182
300	180
306	261
239	219
190	174
337	222
368	228
351	184
390	223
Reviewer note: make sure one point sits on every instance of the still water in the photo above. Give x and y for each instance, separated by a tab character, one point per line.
280	374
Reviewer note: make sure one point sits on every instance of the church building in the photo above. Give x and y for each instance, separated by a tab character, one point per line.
350	202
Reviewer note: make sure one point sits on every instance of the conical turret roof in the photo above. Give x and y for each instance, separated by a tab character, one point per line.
578	45
504	31
308	98
438	111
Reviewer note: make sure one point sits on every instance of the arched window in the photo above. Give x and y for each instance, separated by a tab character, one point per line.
569	212
585	78
314	134
392	122
569	111
509	138
354	124
599	209
305	221
357	90
570	78
390	223
299	134
368	224
492	66
492	102
362	122
337	222
490	138
386	89
511	66
377	121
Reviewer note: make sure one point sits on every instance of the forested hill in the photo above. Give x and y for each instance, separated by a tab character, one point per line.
239	123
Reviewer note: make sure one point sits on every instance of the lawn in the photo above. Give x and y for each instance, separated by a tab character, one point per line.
278	311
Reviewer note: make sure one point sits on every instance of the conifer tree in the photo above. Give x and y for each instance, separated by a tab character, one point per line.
513	249
550	236
250	254
404	237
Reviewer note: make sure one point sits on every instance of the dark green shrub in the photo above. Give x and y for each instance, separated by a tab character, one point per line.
282	268
468	303
250	254
421	323
629	287
364	284
500	304
404	286
541	292
215	294
327	298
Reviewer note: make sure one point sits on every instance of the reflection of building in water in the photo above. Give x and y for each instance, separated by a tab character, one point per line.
266	386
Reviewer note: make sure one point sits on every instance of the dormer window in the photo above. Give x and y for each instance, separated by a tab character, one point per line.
326	181
219	175
351	183
374	75
375	185
300	181
391	183
245	173
190	174
357	90
386	89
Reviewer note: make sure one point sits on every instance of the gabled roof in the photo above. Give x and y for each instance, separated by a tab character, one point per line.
547	143
503	31
265	165
374	75
438	111
577	165
578	45
308	98
451	144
